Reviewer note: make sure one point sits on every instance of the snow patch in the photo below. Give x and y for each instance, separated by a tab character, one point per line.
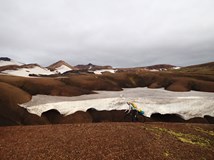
153	70
24	72
104	70
176	67
149	100
63	69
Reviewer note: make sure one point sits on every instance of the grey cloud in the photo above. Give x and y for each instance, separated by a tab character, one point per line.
120	33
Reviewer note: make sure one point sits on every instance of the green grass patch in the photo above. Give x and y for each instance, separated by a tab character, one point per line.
155	131
211	133
186	138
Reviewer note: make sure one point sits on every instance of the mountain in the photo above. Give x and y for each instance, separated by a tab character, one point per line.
61	67
92	67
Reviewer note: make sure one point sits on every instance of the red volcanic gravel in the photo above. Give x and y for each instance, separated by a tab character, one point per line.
106	141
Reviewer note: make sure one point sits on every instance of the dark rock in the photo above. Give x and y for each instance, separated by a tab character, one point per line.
113	116
31	119
99	116
5	59
197	120
210	119
167	117
53	116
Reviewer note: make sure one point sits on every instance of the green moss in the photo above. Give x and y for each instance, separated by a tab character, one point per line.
211	133
187	138
155	131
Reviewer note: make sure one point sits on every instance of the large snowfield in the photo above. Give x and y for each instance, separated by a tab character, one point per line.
187	104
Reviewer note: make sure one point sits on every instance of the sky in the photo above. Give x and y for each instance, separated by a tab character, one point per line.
121	33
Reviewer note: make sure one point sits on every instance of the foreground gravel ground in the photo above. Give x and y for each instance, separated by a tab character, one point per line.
108	141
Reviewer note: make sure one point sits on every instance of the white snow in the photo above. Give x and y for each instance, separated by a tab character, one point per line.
104	70
7	63
153	70
187	104
176	67
162	69
24	72
63	69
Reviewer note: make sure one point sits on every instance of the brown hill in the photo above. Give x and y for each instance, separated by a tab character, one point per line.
10	112
203	69
91	82
46	86
12	94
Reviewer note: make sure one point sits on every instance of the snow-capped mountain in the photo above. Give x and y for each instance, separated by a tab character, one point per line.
61	67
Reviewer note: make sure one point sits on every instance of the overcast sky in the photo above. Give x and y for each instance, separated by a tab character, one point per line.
121	33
